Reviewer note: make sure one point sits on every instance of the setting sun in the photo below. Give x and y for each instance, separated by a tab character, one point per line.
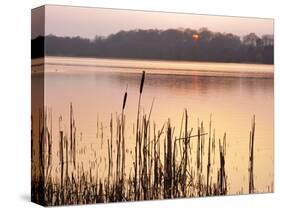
195	37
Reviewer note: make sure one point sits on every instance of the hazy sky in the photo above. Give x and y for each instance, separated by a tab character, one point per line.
89	22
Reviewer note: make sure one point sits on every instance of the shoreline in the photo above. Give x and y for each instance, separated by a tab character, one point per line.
61	65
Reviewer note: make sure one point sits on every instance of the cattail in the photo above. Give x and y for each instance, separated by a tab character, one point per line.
168	164
138	141
142	81
125	99
122	139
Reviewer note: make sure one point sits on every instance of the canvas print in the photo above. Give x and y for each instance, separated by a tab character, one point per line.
140	105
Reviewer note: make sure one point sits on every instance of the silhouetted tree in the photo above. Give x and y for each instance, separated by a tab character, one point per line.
250	39
171	44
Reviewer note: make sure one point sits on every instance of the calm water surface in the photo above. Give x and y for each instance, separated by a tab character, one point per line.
232	93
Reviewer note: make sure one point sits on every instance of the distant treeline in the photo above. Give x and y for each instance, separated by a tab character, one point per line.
171	44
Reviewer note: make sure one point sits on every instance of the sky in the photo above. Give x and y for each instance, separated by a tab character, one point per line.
89	22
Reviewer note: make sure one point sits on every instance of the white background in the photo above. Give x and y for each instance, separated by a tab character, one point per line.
15	103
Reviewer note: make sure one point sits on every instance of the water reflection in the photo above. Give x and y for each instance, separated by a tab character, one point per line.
232	101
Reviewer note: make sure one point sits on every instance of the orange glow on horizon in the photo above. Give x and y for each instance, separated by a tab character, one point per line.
195	37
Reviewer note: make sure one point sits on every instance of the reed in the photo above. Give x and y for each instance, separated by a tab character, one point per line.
222	178
138	142
168	164
251	157
209	156
164	165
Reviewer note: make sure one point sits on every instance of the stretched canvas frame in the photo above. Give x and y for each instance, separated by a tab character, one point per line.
139	105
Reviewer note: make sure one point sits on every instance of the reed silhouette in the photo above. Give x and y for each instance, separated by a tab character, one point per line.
165	165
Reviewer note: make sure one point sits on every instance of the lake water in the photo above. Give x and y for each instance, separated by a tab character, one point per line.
232	93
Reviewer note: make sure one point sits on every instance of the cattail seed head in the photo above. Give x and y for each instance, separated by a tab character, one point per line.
124	100
142	81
